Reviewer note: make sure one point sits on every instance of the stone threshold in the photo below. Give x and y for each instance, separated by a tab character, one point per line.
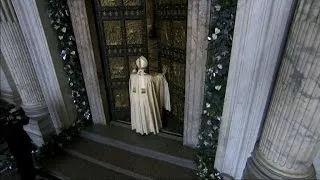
162	147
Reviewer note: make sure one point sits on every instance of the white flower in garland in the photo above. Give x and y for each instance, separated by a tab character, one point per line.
205	170
219	66
208	105
210	134
214	36
217	7
73	53
60	37
209	122
224	53
218	118
212	176
64	29
216	30
56	27
218	87
205	143
218	58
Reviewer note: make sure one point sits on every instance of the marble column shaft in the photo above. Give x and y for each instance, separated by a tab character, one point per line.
89	59
18	61
42	45
260	32
290	138
196	56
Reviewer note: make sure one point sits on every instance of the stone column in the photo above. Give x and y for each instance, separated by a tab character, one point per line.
18	61
196	56
89	58
290	138
259	38
8	90
41	42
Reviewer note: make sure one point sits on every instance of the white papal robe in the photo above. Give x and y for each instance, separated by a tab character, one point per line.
162	91
145	114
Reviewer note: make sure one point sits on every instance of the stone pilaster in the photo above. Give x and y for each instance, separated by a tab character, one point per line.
89	58
18	61
290	138
259	38
196	56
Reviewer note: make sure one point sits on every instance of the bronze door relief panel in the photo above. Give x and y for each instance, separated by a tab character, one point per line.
123	32
171	18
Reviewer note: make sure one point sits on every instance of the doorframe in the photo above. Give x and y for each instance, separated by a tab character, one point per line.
81	13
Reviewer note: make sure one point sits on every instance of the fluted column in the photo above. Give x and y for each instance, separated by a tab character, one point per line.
18	61
290	138
42	45
259	37
8	90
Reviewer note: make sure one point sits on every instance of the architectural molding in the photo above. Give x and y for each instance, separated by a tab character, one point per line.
18	64
196	57
41	43
259	37
88	60
290	137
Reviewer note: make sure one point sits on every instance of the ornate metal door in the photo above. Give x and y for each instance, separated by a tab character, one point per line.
171	18
122	32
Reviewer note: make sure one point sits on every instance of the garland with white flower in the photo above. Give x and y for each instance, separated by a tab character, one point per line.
61	23
219	51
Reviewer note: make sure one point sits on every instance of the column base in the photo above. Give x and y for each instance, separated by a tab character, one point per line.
10	97
40	125
256	170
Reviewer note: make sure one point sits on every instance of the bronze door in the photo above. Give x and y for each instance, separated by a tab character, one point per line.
122	28
171	26
122	32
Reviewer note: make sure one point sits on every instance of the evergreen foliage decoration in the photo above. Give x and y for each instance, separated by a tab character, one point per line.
61	23
219	52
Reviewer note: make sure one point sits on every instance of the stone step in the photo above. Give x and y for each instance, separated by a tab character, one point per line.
128	163
74	168
161	147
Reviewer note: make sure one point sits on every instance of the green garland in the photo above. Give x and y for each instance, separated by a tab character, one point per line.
61	23
220	42
219	51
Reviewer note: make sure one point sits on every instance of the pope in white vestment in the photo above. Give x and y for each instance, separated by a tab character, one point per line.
145	111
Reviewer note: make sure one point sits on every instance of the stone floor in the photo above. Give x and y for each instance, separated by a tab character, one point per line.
112	153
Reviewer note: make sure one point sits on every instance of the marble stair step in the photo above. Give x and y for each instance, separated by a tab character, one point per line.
128	163
74	168
162	147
